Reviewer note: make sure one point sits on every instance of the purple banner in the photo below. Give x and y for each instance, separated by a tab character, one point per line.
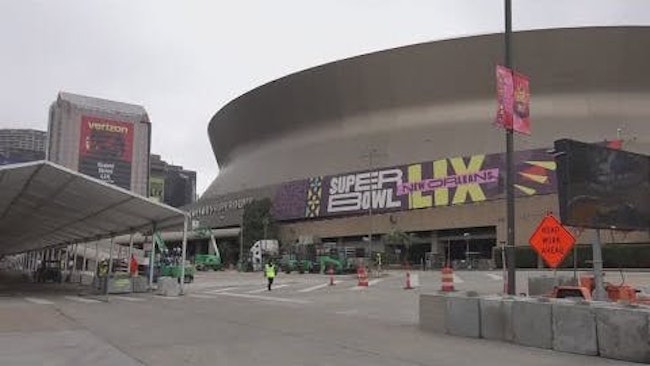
444	182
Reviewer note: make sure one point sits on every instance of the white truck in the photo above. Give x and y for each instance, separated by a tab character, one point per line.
263	249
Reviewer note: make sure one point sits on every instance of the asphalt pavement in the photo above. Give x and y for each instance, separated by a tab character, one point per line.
228	318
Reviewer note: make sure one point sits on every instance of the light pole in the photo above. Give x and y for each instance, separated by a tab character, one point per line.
372	152
510	174
469	263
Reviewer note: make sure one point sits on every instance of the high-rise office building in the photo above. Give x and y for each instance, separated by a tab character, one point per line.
104	139
171	184
21	145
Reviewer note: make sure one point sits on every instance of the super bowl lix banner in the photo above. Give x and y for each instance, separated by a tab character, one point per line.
443	182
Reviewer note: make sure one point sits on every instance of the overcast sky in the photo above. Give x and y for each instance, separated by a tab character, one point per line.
183	59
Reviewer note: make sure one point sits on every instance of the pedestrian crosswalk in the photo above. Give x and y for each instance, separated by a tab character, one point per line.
127	298
216	291
318	287
259	290
494	277
305	287
265	298
63	300
288	290
82	300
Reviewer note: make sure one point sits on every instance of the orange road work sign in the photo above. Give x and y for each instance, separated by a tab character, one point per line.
552	241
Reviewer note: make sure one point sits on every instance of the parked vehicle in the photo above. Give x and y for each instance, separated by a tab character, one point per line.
49	271
171	262
205	262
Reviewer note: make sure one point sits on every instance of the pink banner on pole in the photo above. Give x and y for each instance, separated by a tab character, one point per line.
521	115
505	97
513	96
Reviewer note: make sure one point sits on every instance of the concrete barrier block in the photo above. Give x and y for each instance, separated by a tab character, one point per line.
75	278
496	318
532	323
120	285
432	312
168	286
87	279
463	316
140	284
574	328
623	333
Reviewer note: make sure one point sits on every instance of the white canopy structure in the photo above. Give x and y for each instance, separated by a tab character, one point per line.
45	205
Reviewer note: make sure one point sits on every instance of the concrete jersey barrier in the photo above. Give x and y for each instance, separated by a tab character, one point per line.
589	328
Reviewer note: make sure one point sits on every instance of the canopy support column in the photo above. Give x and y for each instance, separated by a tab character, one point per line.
152	256
184	255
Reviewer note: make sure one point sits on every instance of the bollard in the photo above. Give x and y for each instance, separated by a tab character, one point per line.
331	273
447	279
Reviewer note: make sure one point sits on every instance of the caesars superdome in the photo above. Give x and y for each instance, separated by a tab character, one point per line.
319	142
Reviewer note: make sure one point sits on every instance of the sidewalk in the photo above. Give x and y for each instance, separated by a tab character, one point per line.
39	335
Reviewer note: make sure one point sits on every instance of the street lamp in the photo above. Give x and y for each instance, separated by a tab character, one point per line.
371	155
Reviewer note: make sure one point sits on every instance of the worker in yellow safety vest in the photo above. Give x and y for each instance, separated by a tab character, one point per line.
102	268
269	273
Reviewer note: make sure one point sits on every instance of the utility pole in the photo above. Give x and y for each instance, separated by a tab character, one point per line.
510	174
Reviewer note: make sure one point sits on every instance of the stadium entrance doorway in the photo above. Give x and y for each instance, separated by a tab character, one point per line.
468	248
